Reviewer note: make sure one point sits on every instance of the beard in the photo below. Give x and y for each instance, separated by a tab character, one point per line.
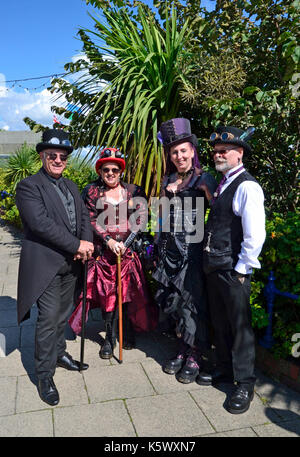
222	166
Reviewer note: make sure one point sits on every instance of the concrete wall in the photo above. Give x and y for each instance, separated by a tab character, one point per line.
11	141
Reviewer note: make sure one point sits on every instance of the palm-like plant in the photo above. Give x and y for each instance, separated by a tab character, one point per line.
144	90
23	163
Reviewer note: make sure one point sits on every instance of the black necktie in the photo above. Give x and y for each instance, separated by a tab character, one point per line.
62	187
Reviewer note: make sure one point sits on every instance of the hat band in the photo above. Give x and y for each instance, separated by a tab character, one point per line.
55	140
172	139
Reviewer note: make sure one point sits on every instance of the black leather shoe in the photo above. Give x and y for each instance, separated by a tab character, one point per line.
66	361
208	379
240	400
48	391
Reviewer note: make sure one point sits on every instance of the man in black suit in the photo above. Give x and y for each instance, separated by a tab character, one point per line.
58	240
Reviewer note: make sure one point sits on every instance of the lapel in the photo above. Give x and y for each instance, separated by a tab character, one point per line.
53	198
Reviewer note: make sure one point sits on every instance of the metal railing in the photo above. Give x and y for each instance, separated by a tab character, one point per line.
270	291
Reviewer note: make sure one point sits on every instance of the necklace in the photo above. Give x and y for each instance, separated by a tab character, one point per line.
184	174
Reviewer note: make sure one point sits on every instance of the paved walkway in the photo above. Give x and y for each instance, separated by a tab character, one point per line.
135	399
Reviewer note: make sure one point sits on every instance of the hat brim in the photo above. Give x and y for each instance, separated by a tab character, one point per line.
240	143
118	161
42	146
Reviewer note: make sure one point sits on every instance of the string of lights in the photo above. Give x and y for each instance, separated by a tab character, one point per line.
16	82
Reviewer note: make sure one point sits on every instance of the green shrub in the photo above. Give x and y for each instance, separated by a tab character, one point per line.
23	163
280	254
259	314
79	172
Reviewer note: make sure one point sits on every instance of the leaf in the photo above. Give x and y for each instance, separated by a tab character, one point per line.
250	90
259	96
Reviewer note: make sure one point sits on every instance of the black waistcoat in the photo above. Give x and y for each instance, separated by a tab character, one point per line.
223	232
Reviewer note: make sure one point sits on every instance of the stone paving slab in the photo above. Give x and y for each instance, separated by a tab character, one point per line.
36	424
8	390
94	420
132	399
171	415
17	363
117	382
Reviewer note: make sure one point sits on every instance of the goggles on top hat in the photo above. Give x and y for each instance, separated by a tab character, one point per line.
110	155
55	140
110	152
223	136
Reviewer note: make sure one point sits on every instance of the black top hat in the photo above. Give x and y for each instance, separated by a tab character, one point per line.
232	135
177	130
55	139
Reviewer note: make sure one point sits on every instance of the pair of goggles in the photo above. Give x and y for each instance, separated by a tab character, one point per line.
111	152
56	140
223	136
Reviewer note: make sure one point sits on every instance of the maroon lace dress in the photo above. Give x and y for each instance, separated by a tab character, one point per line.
118	221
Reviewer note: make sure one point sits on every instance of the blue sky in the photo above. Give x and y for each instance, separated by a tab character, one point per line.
36	41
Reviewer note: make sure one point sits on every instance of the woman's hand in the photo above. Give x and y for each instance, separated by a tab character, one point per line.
114	246
122	247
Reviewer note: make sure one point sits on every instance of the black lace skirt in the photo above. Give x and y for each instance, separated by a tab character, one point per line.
181	290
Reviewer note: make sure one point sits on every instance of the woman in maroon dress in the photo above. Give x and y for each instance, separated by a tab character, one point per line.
118	211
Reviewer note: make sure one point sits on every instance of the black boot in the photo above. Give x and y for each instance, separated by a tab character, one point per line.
190	370
128	332
174	365
109	344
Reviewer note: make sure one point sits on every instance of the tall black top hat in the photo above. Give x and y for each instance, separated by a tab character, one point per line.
177	130
55	139
232	135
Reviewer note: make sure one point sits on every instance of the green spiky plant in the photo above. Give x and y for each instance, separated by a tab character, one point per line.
145	89
21	164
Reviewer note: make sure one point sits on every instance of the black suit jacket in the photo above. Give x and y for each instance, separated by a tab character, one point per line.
48	239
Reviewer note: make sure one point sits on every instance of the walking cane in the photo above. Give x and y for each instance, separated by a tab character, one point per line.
120	308
85	269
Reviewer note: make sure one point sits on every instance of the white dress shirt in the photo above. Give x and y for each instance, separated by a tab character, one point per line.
248	203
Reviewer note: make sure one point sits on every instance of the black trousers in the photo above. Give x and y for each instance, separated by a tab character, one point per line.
230	314
54	308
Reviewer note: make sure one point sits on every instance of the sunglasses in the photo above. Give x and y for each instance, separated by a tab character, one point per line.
221	151
113	170
53	156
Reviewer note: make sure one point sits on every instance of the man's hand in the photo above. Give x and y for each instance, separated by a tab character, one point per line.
85	251
240	276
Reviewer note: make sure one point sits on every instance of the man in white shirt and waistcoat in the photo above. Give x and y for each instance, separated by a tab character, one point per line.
234	236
